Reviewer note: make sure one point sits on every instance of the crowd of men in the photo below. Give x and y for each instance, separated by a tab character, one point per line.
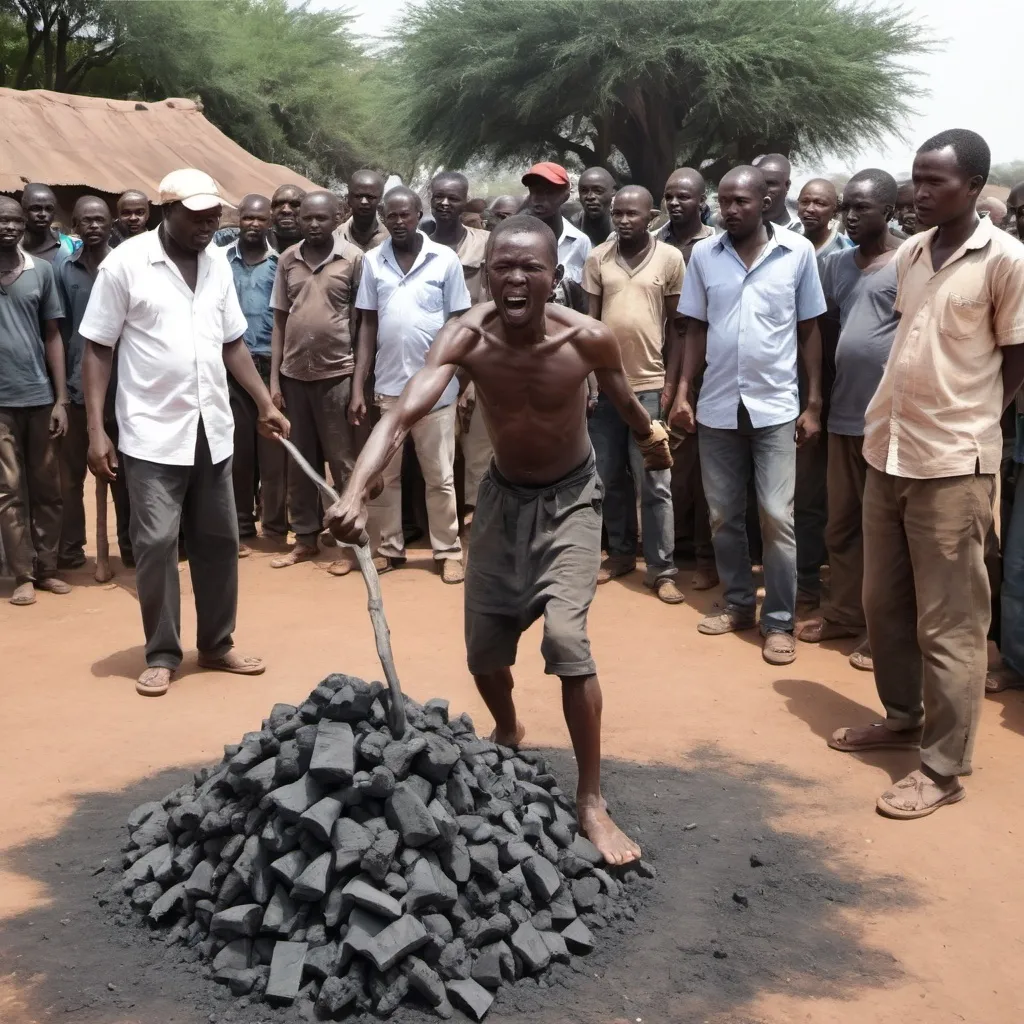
838	378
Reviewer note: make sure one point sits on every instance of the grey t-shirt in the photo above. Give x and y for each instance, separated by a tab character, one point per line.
24	305
868	322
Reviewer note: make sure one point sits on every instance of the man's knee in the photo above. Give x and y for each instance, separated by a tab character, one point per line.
566	647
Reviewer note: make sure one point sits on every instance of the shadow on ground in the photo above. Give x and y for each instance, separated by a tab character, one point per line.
694	953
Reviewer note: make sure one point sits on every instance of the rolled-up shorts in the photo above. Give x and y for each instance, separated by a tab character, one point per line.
534	551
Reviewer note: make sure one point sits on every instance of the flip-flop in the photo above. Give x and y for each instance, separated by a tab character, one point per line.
152	688
819	630
341	567
248	666
887	739
913	786
862	661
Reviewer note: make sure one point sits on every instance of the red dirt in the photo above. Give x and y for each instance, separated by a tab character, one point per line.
853	918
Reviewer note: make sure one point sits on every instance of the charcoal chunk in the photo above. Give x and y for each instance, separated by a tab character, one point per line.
585	892
582	847
294	799
242	921
281	915
527	942
424	980
423	888
319	819
362	894
312	884
483	861
285	972
408	814
454	963
470	997
173	900
350	841
542	878
377	860
578	938
334	754
397	941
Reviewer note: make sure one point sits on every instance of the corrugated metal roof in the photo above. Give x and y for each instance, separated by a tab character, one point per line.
113	145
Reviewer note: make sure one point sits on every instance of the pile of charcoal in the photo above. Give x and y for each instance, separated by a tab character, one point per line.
324	860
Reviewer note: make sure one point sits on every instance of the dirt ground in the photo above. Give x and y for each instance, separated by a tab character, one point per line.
712	756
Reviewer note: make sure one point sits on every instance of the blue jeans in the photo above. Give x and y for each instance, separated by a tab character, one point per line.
620	466
1012	593
726	460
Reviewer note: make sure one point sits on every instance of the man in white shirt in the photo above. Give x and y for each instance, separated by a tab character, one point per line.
174	310
549	189
410	286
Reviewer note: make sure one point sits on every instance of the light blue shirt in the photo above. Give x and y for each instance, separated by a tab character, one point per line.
411	308
253	285
751	317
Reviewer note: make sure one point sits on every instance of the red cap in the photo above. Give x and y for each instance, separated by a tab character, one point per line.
555	173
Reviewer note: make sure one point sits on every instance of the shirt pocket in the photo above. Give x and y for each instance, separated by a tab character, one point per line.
432	299
961	317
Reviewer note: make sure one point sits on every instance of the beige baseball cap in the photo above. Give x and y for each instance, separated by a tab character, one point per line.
194	189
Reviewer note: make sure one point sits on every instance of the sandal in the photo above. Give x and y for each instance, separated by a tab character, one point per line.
342	567
24	594
861	658
996	681
874	737
154	682
817	630
917	796
234	663
53	585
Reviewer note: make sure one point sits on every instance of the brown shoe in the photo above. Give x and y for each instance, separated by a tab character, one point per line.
24	594
667	591
817	630
704	579
53	585
779	648
383	564
725	620
615	565
452	570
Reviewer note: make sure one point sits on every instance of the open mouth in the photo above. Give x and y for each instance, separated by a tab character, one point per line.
515	303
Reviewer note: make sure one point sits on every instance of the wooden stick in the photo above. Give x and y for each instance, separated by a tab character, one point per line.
374	602
103	573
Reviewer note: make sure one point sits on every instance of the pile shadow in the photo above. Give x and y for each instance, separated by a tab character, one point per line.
716	931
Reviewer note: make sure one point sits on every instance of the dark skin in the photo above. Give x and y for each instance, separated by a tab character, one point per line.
529	361
504	207
448	199
253	227
867	223
816	207
12	231
402	212
743	201
91	222
284	212
132	213
596	189
1015	207
39	205
777	174
906	215
545	202
365	189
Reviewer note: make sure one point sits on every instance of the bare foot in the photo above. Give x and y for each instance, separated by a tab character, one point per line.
612	843
514	740
298	553
232	661
154	682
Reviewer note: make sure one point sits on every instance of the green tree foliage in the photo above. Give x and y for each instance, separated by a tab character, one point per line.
1008	174
652	84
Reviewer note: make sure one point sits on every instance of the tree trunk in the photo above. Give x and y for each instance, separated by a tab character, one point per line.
646	138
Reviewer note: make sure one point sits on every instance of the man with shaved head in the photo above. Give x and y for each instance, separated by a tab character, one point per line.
363	228
504	207
993	208
816	206
752	298
284	215
1015	209
41	238
595	189
74	274
684	197
410	286
778	172
132	216
633	283
906	215
312	361
259	464
33	412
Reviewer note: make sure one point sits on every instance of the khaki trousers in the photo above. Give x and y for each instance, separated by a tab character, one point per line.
844	534
434	440
927	606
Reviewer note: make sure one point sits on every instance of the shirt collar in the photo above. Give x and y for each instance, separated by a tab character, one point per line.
776	236
27	259
234	254
980	237
664	233
430	249
569	231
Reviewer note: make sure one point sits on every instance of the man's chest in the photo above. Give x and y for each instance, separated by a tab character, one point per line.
329	289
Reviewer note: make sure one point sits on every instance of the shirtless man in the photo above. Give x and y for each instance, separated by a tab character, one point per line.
536	538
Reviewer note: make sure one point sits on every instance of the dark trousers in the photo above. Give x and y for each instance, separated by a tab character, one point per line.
318	413
259	469
29	470
689	505
810	514
200	500
74	447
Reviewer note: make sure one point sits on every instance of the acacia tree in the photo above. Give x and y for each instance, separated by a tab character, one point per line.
642	86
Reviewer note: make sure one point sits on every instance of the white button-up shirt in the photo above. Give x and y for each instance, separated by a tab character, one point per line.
411	308
751	317
573	249
170	358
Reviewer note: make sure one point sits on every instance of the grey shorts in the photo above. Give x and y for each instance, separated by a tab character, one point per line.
533	551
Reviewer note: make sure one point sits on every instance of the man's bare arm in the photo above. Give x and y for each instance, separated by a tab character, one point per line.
691	362
277	356
238	361
808	424
366	352
53	346
97	361
1013	372
600	346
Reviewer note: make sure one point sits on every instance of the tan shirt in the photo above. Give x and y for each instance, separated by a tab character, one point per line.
471	252
344	232
633	305
320	303
936	411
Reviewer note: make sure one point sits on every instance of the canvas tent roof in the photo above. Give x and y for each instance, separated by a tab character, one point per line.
113	145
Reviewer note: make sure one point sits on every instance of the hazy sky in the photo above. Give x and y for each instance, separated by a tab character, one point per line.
970	82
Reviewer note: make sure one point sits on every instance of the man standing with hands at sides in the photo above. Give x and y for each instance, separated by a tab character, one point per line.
40	204
312	364
685	195
596	188
537	531
933	445
816	206
409	287
364	229
259	465
74	275
132	216
860	286
549	189
748	416
171	309
33	412
284	215
633	283
778	173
